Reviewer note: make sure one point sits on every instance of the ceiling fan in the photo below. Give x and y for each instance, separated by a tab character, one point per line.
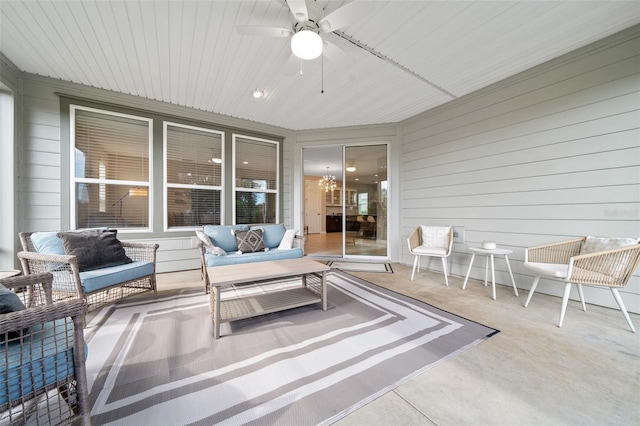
309	22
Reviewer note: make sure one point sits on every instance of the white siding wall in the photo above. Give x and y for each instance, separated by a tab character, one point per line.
547	155
39	173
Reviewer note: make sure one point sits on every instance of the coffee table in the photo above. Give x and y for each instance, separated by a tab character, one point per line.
253	304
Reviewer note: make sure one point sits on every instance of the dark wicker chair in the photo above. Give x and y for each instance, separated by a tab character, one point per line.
43	378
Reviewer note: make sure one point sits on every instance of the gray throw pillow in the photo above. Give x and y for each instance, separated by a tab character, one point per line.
249	241
94	248
10	302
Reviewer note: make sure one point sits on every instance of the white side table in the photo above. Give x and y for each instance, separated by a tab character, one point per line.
489	253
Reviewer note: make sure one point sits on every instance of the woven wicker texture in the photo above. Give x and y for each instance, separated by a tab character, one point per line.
42	367
66	274
610	268
437	243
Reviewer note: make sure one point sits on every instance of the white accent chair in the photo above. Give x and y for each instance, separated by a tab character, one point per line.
433	241
592	261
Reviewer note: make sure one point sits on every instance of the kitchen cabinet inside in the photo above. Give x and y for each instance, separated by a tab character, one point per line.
334	197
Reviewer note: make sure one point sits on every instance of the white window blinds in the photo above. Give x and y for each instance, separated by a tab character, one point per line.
111	163
256	180
194	176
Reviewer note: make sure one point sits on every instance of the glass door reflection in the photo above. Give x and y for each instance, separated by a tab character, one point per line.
365	201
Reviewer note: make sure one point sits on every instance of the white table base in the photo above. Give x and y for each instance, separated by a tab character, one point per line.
489	253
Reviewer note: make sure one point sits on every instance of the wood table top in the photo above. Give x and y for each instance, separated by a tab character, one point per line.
254	271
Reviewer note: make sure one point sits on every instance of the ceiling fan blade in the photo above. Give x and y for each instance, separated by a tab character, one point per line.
344	16
264	31
336	54
293	66
299	10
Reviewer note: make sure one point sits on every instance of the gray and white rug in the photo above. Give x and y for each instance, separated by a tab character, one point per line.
156	362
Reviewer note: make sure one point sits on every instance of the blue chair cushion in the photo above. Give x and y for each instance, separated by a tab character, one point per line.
98	279
235	259
44	358
271	234
223	237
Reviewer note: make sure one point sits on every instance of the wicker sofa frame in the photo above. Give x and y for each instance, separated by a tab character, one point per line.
44	379
298	242
66	274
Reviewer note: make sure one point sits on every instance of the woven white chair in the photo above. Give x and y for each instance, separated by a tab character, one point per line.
592	261
431	241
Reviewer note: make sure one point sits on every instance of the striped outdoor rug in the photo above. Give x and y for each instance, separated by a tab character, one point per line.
155	362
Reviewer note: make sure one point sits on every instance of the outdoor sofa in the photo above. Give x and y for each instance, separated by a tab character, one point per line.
234	244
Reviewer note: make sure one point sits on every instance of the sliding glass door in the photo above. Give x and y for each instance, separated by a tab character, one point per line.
345	201
365	200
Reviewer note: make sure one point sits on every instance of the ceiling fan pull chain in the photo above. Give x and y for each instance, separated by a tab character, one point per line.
322	75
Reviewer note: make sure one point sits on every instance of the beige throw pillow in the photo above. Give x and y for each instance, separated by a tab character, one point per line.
206	241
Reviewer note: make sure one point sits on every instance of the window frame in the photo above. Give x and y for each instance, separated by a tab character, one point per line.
166	185
236	189
75	180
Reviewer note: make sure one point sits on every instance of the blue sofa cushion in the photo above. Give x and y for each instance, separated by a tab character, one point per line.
222	235
98	279
271	234
235	259
39	361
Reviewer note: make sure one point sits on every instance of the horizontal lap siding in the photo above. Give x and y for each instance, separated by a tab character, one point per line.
40	168
550	154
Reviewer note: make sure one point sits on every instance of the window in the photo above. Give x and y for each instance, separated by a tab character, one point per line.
110	160
256	180
363	203
194	166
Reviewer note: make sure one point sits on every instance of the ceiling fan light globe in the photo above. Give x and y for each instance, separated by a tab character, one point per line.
306	44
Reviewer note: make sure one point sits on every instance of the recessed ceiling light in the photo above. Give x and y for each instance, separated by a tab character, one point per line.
258	93
245	162
351	169
356	179
216	160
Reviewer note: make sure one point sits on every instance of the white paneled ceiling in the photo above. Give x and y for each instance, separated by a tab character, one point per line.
402	58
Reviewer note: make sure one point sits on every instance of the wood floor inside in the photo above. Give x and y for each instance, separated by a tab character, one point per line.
331	244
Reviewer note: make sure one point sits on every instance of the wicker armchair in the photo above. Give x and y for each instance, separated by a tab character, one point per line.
43	379
433	241
568	261
68	281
